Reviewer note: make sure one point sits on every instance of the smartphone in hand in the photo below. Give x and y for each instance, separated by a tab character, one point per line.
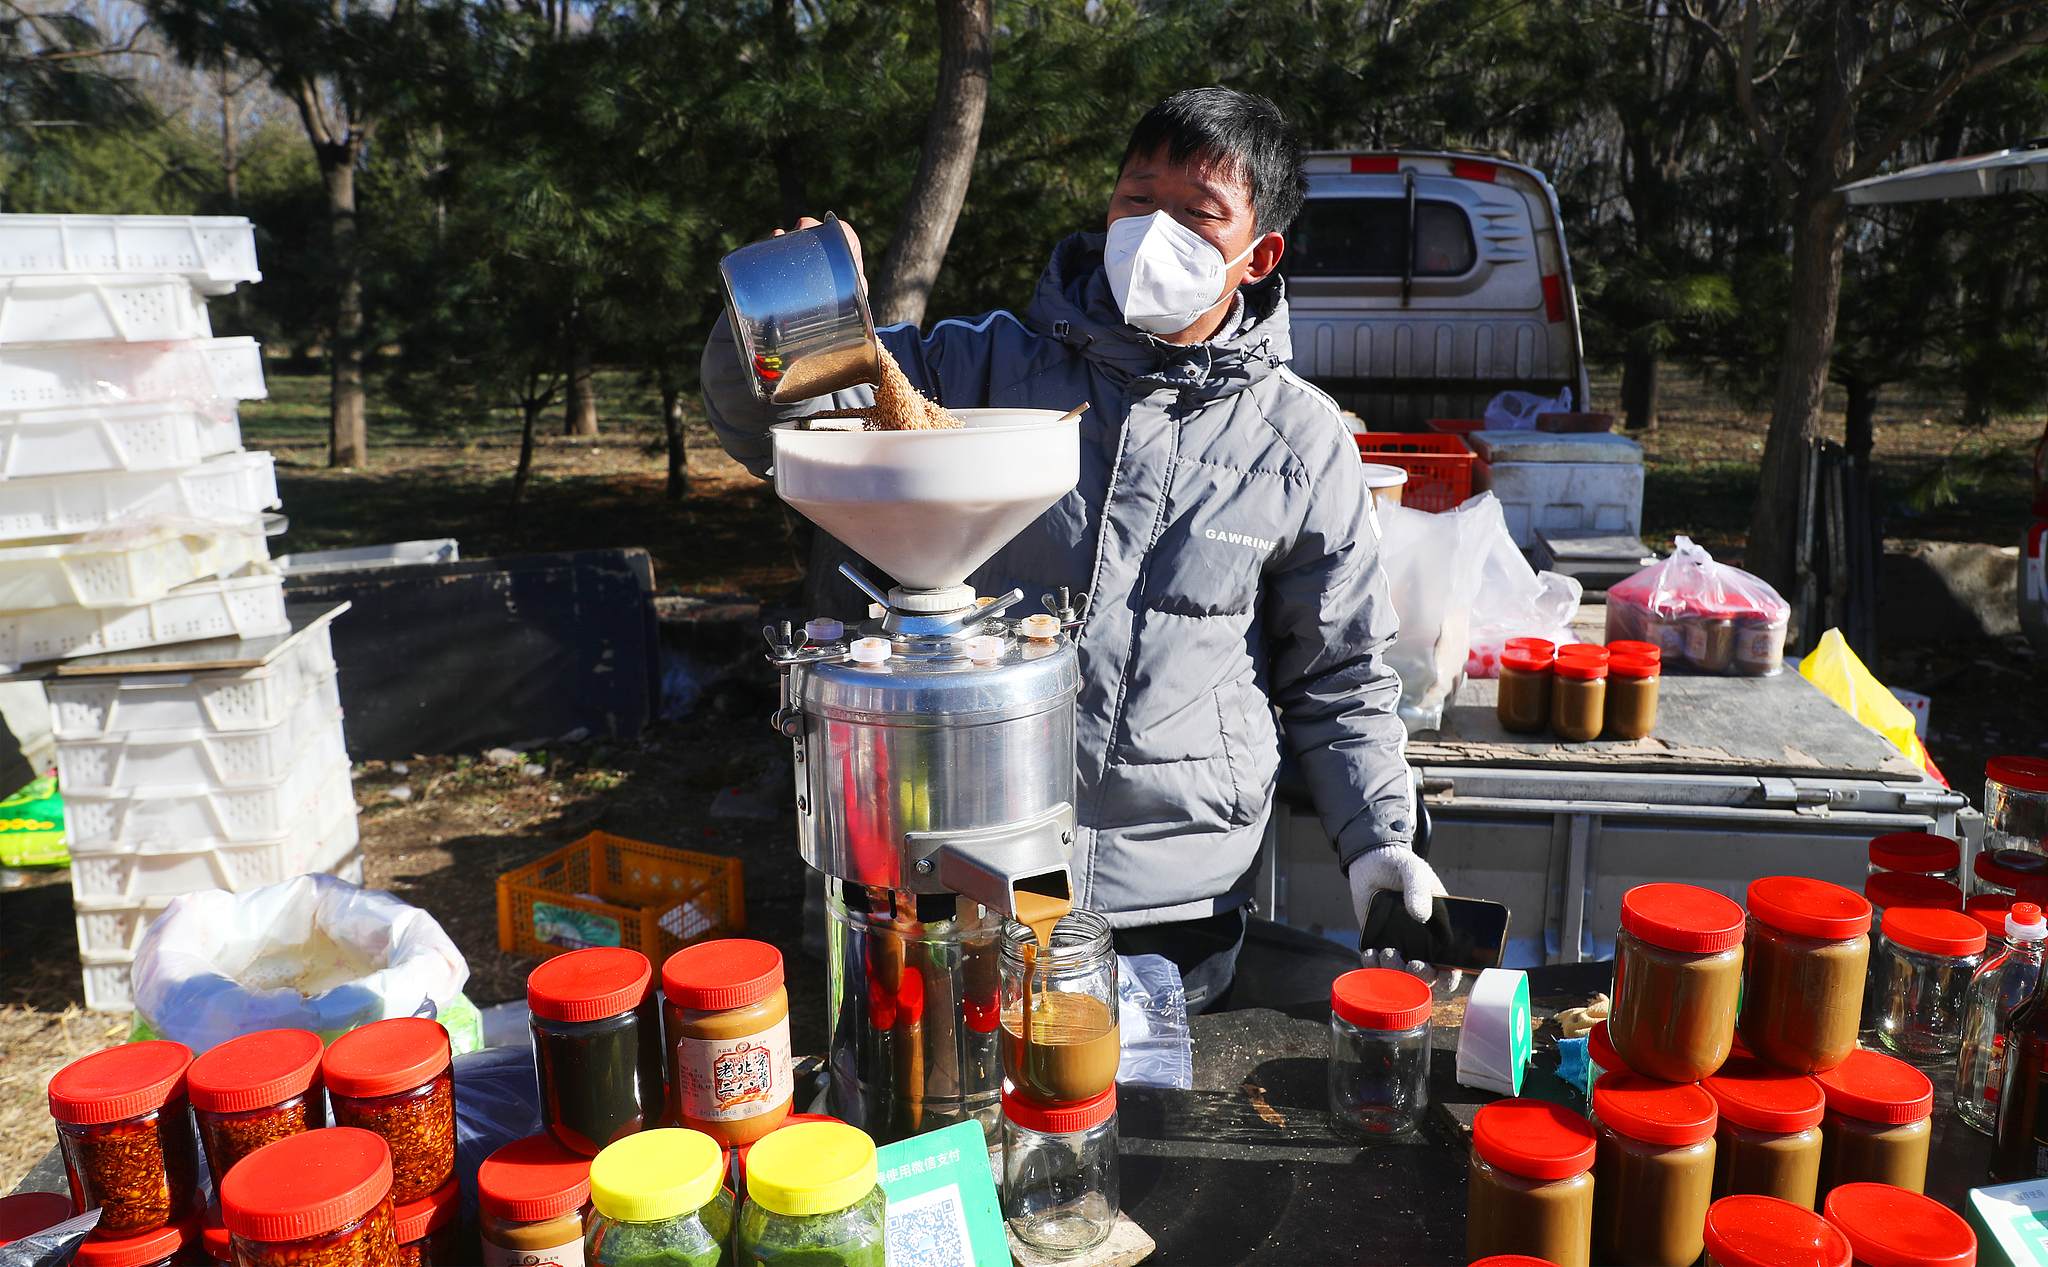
1462	932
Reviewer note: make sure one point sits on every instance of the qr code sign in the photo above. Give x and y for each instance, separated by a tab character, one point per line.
929	1230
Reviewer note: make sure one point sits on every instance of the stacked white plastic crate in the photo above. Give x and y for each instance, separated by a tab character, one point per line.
131	517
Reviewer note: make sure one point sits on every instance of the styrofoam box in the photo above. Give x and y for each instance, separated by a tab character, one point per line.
211	252
243	606
130	309
162	817
121	572
232	699
158	436
233	486
1607	496
143	759
70	375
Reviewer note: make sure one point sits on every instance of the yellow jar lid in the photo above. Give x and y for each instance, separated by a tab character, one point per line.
658	1175
811	1168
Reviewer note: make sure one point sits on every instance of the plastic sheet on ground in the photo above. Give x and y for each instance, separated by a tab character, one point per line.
1152	1018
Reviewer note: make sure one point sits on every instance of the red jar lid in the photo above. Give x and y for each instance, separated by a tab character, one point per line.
168	1241
26	1213
1060	1119
1534	646
1633	666
1381	998
1891	1227
215	1233
1915	851
2028	774
1757	1231
1809	908
1752	1094
1581	668
1600	1050
1934	932
307	1184
1512	1260
255	1071
386	1057
588	985
1872	1087
1886	889
714	975
1629	646
120	1082
1525	661
532	1179
1654	1112
1588	650
1989	909
1682	917
1534	1139
416	1220
2010	868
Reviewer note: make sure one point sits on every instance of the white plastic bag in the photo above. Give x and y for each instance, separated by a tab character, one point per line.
311	953
1516	601
1434	566
1518	411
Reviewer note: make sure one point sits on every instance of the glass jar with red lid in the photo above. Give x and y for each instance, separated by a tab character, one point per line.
1522	700
1878	1125
1578	694
1654	1176
1677	981
2016	803
2009	871
1885	1225
393	1078
253	1090
124	1123
1806	954
170	1244
1920	980
597	1046
1768	1142
1059	1188
1917	852
1632	686
533	1202
1759	1231
1379	1052
1530	1188
321	1199
727	1019
1886	889
26	1213
428	1231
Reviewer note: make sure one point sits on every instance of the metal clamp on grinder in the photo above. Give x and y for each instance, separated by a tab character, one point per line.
934	750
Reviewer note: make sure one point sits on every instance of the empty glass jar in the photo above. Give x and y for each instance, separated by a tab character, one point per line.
1379	1052
2016	803
1059	1172
1062	1048
1921	976
1920	853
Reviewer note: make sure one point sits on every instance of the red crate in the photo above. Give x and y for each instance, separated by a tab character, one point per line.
1439	466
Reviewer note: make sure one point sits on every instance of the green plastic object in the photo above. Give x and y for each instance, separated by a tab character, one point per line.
32	826
937	1182
1496	1039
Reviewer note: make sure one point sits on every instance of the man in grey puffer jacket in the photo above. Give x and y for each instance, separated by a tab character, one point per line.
1221	526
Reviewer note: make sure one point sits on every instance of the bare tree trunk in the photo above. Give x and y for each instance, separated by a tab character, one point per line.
1639	390
580	417
348	436
1802	378
678	457
966	53
1859	430
530	408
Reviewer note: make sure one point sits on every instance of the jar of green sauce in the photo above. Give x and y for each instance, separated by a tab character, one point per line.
659	1201
812	1199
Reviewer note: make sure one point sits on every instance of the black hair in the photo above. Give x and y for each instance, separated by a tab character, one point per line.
1234	129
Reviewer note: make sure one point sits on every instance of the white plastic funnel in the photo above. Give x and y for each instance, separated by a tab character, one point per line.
928	507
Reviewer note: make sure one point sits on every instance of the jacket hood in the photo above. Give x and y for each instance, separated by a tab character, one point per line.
1075	306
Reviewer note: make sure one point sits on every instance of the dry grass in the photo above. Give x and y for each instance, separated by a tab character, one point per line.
34	1045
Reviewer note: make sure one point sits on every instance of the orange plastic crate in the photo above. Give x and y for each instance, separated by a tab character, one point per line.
651	898
1439	466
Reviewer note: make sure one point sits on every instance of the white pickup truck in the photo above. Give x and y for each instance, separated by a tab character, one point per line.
1423	284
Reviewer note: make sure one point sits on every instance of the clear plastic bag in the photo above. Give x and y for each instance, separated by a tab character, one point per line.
1518	411
1516	601
53	1246
497	1100
311	953
1152	1023
1435	563
1714	617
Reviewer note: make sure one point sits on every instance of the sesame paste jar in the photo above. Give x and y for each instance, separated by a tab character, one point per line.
1654	1176
1768	1142
1677	981
1803	984
255	1090
320	1199
393	1077
1530	1183
1879	1124
125	1127
727	1017
533	1203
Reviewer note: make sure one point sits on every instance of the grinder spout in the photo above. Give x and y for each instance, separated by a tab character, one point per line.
993	864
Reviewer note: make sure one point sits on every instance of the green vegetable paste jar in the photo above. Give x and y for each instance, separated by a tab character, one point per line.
660	1201
812	1199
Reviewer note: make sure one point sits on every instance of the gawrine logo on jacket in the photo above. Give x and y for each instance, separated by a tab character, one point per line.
1239	539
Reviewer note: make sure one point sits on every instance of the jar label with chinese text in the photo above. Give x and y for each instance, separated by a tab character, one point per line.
569	1255
726	1079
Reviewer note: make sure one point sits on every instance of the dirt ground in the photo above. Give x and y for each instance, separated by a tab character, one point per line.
467	820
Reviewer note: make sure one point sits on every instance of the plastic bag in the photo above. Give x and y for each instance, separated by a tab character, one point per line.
1515	601
497	1100
1434	566
311	953
1717	618
1841	677
32	826
1518	411
1152	1021
53	1246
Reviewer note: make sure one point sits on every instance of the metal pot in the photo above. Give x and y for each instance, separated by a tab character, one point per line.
799	309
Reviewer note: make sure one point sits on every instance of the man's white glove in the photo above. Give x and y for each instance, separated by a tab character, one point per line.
1394	867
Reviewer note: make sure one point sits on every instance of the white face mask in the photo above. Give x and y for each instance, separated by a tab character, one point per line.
1163	274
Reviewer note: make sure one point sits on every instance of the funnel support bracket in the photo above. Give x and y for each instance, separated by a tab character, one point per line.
865	586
